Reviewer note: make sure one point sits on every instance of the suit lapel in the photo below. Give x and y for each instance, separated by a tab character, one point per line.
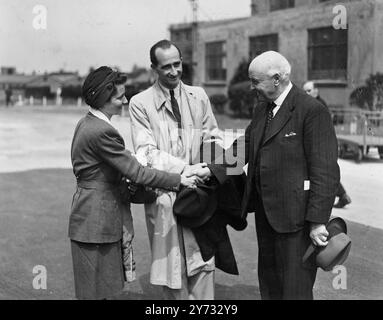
283	115
191	102
259	126
256	133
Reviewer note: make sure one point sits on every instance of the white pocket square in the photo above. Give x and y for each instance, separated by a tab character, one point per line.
291	134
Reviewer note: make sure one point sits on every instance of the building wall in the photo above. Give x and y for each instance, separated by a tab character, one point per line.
378	34
365	43
183	36
236	36
263	6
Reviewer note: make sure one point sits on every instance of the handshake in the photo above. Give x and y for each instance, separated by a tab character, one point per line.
193	174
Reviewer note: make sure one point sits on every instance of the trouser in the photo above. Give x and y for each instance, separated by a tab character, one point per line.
281	272
196	287
341	191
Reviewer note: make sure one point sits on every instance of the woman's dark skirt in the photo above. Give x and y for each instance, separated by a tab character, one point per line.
98	269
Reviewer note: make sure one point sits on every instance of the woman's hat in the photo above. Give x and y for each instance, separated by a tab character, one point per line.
98	86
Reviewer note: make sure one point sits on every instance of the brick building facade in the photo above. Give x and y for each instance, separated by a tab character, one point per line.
339	60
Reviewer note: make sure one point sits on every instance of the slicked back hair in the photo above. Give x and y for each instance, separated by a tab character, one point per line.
163	44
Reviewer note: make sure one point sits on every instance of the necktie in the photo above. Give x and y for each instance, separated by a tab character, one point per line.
175	108
176	111
270	114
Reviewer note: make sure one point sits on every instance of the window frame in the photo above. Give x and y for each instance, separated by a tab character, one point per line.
212	57
275	5
269	46
338	43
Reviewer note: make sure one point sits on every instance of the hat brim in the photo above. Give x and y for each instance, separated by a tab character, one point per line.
194	207
206	214
336	251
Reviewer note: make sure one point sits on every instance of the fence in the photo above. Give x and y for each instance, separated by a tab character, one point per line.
358	131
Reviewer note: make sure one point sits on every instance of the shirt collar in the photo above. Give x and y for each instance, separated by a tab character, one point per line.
166	91
278	102
99	114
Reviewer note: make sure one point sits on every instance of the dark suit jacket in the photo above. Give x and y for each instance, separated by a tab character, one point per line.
212	237
99	162
300	145
319	98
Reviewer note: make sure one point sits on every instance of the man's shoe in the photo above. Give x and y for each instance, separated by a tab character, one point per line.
342	201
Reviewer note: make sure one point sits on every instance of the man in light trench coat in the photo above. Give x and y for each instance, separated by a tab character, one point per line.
170	121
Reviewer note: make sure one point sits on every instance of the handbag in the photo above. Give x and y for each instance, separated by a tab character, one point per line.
136	193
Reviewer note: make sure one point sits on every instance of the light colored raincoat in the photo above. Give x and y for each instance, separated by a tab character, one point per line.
156	138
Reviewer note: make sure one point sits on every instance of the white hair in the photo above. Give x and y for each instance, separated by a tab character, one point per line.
272	63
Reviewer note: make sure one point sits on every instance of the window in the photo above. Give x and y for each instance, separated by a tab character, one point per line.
327	53
254	9
216	61
260	44
174	35
180	35
188	34
281	4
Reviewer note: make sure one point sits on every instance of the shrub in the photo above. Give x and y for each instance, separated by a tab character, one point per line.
242	98
369	96
361	97
241	74
218	101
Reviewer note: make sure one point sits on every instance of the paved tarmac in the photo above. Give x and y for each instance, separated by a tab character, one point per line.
38	137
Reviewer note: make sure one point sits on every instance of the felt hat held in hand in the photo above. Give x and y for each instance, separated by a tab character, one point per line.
337	249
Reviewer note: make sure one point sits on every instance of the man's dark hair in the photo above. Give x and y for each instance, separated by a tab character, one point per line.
163	44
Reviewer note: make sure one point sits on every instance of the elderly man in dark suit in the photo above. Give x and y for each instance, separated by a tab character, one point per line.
100	161
291	151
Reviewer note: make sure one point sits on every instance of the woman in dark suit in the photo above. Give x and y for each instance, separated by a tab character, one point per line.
100	161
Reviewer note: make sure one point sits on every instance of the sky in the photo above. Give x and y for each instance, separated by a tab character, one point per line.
81	34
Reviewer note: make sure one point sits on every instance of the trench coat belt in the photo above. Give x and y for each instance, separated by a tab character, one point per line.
97	184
